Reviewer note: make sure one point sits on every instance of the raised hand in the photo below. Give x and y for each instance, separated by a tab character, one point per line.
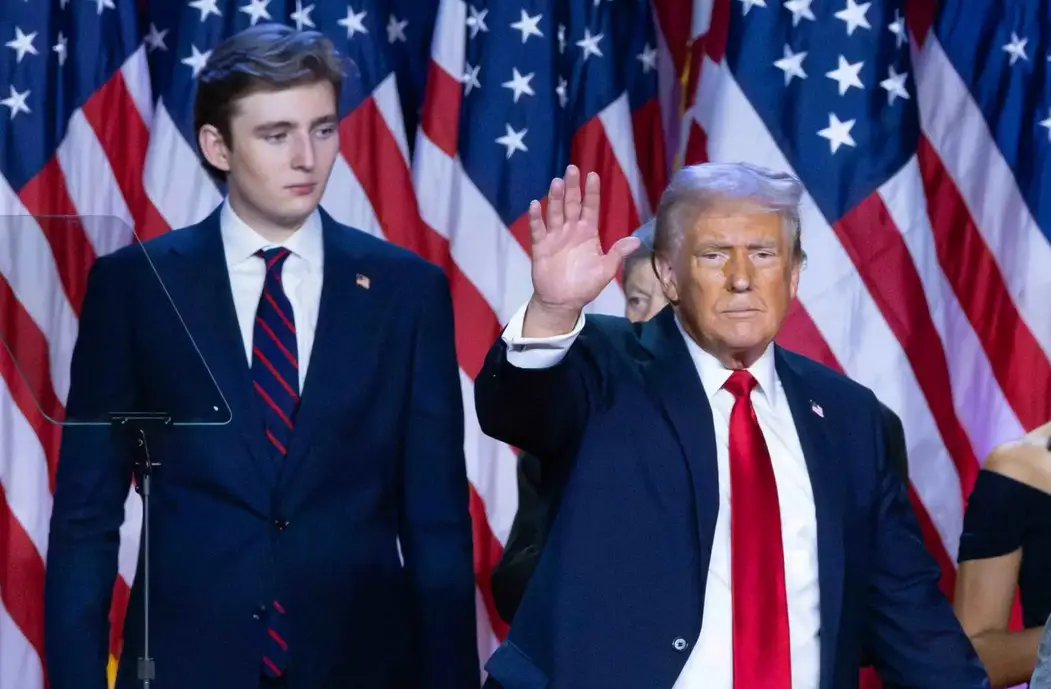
569	267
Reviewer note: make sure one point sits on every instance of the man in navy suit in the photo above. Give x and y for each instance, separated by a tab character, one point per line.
731	520
321	537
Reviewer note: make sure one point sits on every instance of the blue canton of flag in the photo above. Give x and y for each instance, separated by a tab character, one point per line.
833	85
536	74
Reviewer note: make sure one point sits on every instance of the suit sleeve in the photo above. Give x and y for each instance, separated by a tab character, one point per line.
536	394
894	443
912	634
435	522
92	483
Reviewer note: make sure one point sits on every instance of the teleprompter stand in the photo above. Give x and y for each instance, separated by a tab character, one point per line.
138	427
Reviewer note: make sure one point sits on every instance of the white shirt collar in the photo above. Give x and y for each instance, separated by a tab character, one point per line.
714	375
240	242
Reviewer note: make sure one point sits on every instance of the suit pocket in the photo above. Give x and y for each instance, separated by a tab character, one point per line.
513	669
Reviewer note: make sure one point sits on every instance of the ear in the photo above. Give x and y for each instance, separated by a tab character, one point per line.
666	275
793	285
214	147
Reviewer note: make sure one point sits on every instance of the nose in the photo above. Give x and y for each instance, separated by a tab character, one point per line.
303	156
738	271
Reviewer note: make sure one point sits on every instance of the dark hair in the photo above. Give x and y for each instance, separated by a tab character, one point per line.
645	250
265	57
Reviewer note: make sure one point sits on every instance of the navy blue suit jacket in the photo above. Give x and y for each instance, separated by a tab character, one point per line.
617	597
376	458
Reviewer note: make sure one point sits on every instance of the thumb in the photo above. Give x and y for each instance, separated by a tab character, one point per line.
619	251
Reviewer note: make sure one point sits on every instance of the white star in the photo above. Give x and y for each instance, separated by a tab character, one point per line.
1016	48
61	49
562	90
846	75
897	27
105	5
648	58
838	133
396	30
749	4
800	10
590	44
205	7
470	77
512	140
16	102
561	38
476	22
256	9
1047	124
520	84
528	26
22	44
197	60
354	22
791	64
302	16
895	85
155	39
854	15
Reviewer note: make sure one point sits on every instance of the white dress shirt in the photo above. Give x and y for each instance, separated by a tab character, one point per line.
710	664
300	275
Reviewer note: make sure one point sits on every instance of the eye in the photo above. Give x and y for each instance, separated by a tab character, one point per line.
276	138
327	131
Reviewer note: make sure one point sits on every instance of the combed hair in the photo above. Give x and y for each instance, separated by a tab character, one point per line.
265	57
696	188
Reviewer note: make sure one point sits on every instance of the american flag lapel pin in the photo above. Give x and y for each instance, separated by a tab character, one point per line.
816	408
362	281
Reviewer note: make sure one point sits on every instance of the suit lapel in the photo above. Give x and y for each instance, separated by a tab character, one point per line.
202	291
673	381
812	414
351	317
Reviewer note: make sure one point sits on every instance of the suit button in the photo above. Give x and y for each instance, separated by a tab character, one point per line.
679	644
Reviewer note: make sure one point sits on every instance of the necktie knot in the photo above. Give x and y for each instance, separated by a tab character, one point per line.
275	257
740	383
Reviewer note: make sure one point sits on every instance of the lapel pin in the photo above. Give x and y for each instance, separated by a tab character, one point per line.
816	408
362	281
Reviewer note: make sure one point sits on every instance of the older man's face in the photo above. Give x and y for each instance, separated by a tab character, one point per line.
735	278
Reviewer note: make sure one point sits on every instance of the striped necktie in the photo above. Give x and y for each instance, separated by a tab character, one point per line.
275	363
275	376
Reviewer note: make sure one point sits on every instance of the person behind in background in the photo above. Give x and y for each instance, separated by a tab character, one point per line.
708	462
1005	547
321	538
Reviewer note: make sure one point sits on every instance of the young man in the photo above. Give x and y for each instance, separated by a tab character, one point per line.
321	537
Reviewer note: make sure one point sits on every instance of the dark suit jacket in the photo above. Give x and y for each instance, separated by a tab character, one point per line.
617	596
375	462
538	493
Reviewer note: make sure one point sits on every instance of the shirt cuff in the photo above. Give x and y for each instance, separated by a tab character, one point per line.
536	352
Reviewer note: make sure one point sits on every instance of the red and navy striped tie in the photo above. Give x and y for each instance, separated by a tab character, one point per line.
275	376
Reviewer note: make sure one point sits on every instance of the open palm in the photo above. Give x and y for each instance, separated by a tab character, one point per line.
569	267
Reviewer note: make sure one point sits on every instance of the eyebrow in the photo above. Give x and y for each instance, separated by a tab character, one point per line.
761	244
286	124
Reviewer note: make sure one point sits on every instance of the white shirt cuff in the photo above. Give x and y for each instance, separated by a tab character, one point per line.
536	352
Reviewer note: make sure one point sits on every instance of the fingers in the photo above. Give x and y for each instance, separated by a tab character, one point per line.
591	200
537	231
572	204
555	199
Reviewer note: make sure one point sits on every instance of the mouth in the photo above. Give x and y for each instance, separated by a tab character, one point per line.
741	313
302	189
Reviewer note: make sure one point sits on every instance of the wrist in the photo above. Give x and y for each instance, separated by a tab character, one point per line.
546	320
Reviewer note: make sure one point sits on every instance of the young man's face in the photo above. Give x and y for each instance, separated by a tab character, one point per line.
284	146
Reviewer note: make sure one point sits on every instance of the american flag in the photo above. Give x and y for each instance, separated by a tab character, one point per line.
919	132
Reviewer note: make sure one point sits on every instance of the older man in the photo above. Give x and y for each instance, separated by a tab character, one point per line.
652	575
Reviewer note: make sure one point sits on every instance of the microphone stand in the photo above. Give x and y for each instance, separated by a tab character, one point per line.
136	426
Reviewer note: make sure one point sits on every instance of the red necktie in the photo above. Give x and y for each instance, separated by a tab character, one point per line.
760	610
